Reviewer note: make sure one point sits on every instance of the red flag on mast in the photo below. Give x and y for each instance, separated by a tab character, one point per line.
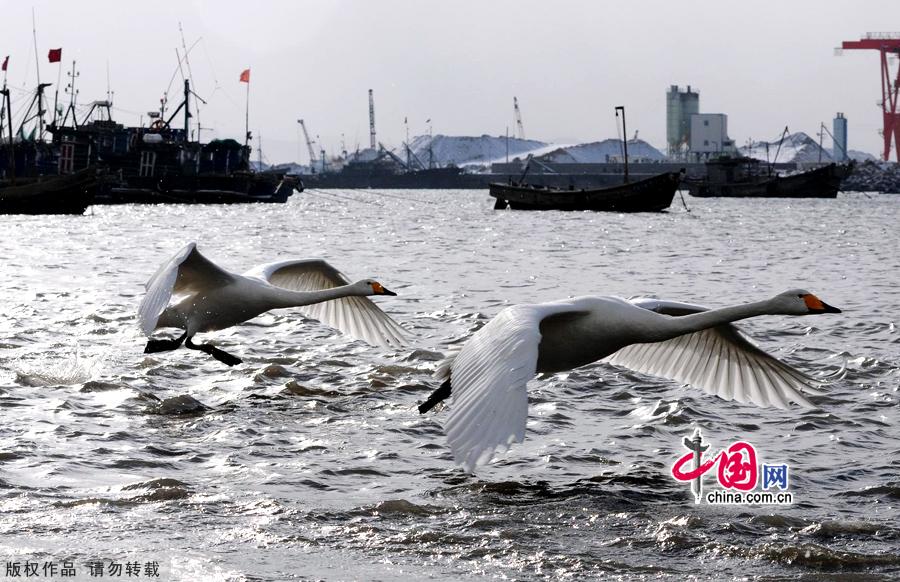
245	76
55	55
5	62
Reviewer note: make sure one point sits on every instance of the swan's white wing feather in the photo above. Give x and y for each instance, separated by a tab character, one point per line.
357	317
186	272
300	274
719	360
489	376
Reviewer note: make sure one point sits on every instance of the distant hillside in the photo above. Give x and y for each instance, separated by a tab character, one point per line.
602	151
462	150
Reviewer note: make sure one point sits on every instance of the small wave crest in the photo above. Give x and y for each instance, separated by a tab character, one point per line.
56	371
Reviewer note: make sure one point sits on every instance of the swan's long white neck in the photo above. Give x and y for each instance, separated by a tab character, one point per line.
281	298
677	326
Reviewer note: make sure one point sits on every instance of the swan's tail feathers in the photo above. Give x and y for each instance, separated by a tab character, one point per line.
215	352
439	395
164	345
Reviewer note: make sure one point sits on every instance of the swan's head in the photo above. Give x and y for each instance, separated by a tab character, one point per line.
371	287
802	302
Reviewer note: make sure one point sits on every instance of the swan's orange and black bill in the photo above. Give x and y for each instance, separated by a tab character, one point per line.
816	305
380	290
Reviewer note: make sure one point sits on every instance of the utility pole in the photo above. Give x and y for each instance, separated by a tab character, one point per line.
372	142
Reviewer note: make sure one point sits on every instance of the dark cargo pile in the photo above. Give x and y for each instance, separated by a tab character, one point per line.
872	176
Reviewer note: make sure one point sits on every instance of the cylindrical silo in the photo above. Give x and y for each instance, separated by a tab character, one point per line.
839	152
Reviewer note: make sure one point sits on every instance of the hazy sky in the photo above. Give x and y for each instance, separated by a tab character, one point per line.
766	64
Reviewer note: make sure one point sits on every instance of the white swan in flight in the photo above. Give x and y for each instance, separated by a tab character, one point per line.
682	342
192	293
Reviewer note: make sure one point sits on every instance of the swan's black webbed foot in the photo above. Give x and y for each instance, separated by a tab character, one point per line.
164	345
442	393
215	352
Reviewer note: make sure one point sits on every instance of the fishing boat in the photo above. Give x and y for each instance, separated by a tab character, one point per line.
651	194
234	188
742	177
64	194
30	179
159	164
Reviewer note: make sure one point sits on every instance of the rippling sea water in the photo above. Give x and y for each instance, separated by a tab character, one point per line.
311	461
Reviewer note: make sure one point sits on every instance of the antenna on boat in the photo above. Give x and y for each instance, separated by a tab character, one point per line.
624	137
73	94
108	92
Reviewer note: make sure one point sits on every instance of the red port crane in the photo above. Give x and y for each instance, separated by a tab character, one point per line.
886	44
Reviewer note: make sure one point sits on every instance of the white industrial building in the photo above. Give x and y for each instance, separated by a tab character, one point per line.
709	135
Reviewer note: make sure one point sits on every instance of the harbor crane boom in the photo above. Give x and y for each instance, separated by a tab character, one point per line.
887	44
309	143
519	127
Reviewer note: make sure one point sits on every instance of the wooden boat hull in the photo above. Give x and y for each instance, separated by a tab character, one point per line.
66	194
232	189
821	182
648	195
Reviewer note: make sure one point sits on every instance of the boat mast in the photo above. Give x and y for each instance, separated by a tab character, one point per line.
778	151
624	138
247	117
3	101
408	160
38	99
37	68
187	110
12	151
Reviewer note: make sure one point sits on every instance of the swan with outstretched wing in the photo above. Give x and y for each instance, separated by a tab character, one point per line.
487	378
192	293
